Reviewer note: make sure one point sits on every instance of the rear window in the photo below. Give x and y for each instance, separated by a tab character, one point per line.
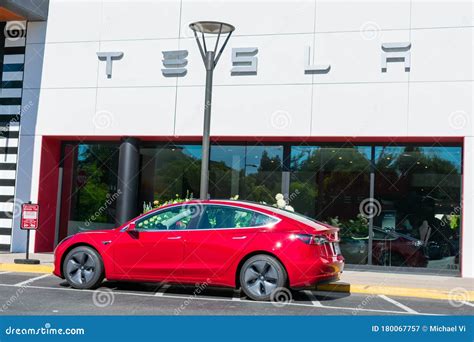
294	216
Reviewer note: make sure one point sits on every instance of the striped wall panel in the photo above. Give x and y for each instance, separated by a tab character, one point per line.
12	62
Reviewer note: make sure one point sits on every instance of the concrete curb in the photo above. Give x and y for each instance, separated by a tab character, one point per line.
456	295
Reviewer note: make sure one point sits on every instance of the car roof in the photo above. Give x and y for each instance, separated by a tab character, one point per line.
260	207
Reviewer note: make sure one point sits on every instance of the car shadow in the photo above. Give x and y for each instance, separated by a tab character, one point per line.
202	290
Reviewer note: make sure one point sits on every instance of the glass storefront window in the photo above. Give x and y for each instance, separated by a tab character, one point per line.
328	183
416	190
89	188
252	172
419	191
168	172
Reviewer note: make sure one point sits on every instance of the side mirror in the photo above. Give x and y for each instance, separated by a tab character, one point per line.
132	231
128	227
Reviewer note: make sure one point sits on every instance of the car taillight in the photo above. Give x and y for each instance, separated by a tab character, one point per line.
312	239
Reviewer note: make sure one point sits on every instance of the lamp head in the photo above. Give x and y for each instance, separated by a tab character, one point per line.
211	27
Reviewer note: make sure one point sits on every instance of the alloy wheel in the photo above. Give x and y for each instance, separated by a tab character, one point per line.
261	278
81	267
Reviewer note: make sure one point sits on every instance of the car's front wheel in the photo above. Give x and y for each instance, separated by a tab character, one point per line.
262	276
83	268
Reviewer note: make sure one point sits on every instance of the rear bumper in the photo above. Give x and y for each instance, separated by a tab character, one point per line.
325	270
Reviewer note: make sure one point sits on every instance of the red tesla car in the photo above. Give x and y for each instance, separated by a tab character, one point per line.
223	243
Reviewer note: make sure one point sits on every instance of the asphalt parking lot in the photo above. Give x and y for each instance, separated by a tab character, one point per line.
45	294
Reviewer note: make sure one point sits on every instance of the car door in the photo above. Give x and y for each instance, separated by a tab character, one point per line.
153	247
221	237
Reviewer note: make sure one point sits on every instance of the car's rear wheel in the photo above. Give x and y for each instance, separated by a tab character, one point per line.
262	276
83	268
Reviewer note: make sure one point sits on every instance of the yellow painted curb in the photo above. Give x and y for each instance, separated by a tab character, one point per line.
26	268
455	295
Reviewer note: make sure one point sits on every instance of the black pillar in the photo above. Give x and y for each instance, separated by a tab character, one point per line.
127	185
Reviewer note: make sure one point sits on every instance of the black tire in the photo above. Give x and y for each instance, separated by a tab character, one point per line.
262	277
83	268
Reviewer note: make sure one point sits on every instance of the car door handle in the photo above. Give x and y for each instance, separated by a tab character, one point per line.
174	238
239	237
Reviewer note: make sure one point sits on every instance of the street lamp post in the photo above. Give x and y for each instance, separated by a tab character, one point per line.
210	59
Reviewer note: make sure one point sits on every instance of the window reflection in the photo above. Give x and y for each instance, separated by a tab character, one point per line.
169	171
89	191
419	189
330	183
252	172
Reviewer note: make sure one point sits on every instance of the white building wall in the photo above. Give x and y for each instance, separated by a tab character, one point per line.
354	99
346	34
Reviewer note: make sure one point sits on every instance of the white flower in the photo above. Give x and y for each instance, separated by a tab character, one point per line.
289	208
279	197
281	203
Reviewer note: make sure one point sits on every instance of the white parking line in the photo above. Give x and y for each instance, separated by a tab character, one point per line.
220	300
468	303
29	281
400	305
5	272
161	291
313	299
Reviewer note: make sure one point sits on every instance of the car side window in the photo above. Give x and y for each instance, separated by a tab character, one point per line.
175	218
218	217
263	220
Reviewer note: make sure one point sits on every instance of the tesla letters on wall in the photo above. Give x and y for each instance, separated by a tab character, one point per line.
245	60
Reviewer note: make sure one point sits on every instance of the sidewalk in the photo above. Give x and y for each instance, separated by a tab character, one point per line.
7	263
365	282
404	285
